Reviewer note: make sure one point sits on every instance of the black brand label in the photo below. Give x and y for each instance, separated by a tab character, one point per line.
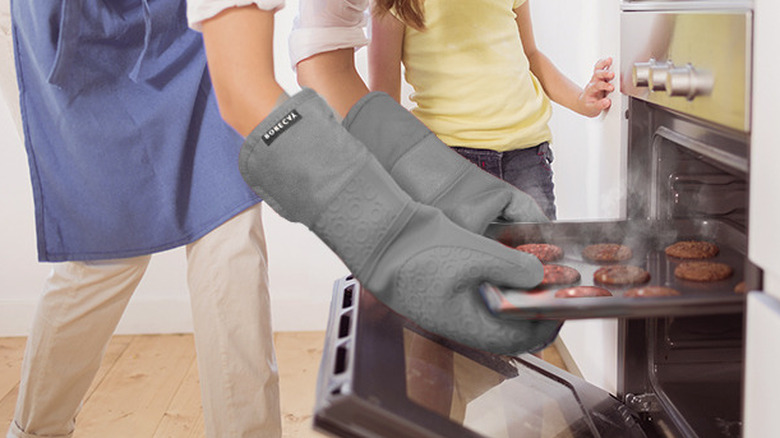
282	125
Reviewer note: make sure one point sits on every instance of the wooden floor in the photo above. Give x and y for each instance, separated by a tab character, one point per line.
147	386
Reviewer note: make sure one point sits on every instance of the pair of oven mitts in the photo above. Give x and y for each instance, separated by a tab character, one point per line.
419	254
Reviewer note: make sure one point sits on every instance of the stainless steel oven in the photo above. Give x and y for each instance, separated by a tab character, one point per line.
688	145
686	70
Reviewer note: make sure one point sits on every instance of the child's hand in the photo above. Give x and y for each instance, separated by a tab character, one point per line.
593	99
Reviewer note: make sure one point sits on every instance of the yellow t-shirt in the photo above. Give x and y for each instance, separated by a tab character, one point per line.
472	83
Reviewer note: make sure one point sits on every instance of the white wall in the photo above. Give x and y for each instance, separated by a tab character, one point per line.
574	35
302	269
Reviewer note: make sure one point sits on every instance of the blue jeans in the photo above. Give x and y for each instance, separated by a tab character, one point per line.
527	169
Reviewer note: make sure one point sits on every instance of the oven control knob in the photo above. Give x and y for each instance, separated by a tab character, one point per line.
689	82
657	75
640	73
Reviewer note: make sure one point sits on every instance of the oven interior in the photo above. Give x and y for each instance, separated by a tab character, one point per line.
683	374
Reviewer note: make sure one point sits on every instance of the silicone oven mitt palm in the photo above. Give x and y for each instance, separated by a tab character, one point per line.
309	169
431	172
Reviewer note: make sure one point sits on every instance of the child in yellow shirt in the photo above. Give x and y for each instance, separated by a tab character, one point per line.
481	84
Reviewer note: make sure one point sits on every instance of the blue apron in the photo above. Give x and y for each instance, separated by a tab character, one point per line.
128	153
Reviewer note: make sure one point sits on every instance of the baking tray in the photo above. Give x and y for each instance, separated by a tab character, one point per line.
647	239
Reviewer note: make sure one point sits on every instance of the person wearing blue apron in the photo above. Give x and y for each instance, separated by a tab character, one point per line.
129	156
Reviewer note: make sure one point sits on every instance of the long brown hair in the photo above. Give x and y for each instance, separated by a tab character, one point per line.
410	12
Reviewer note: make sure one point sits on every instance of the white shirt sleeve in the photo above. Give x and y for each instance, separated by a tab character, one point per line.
326	25
201	10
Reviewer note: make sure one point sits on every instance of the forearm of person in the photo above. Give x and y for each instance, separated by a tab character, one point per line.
384	55
333	75
557	86
239	48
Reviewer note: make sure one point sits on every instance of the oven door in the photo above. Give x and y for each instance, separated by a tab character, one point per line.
382	376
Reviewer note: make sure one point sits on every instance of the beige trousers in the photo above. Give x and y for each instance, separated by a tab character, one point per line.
82	303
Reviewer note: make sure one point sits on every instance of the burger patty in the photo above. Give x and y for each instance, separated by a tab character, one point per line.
692	249
703	271
545	252
621	275
582	291
651	291
607	252
559	274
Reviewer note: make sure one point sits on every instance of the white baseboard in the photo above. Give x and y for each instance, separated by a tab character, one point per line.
171	315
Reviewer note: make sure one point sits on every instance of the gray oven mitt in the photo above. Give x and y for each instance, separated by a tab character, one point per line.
431	172
309	169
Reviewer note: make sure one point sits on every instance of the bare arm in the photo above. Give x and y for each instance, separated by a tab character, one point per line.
384	55
333	75
588	102
239	48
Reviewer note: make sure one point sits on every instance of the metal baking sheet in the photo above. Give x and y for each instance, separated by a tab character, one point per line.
647	239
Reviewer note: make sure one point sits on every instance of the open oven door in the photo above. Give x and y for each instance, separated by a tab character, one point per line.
382	376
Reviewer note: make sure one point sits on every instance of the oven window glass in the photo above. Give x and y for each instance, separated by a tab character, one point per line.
518	402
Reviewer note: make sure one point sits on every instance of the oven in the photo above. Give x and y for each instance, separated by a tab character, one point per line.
688	141
686	69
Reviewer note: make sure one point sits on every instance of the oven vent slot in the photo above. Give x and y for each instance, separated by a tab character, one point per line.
340	364
344	327
347	298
